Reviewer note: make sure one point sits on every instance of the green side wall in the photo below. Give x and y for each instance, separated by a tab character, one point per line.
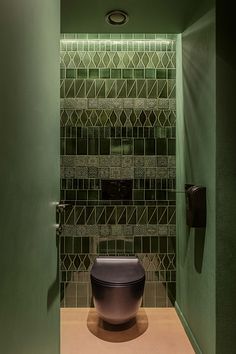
225	182
196	164
29	178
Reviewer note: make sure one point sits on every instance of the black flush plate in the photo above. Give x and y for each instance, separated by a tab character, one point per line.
117	189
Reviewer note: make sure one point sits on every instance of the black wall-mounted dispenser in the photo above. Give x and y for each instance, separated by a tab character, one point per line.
195	205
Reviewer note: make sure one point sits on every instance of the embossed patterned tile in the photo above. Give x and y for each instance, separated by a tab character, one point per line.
156	331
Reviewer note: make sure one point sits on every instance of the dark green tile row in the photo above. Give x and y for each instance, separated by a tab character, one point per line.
118	73
121	215
137	195
153	36
116	203
95	184
127	45
141	244
117	88
118	132
116	146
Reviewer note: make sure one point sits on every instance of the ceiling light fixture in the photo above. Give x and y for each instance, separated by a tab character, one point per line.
117	17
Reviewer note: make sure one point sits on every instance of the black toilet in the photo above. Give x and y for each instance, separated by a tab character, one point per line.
117	287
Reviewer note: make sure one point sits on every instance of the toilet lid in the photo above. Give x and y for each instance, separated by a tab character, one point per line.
117	270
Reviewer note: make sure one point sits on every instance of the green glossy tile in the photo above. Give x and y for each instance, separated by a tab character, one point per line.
85	244
110	88
70	146
161	147
138	146
111	246
100	88
150	194
142	216
82	36
80	88
139	36
111	215
93	73
90	89
146	244
71	195
154	244
105	73
70	73
138	73
163	244
82	73
131	215
171	73
69	88
116	148
171	244
160	195
138	194
68	244
82	195
162	215
126	35
171	146
90	216
140	131
62	73
82	146
127	73
104	36
150	36
92	146
150	74
162	88
121	216
137	245
127	145
149	146
128	246
120	246
115	35
115	73
121	89
92	35
100	215
104	146
92	195
161	74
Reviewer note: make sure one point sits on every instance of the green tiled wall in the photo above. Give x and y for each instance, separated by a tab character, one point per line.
118	122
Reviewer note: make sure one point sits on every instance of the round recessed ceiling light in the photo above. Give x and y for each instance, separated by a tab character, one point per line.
117	17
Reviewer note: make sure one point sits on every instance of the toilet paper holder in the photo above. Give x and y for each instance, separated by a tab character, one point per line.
195	205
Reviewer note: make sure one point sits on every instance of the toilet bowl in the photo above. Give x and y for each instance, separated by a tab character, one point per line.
117	287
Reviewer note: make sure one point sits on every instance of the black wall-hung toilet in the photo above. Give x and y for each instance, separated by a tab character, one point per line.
117	287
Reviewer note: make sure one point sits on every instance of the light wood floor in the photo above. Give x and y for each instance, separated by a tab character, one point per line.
155	331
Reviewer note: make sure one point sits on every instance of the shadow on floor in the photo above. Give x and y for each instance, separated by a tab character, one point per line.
117	333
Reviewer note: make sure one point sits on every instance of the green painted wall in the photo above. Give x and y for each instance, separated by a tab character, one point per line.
29	178
225	182
196	163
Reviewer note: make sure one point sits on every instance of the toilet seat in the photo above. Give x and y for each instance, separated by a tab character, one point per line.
117	271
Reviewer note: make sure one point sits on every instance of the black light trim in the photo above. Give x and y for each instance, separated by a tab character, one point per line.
117	17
